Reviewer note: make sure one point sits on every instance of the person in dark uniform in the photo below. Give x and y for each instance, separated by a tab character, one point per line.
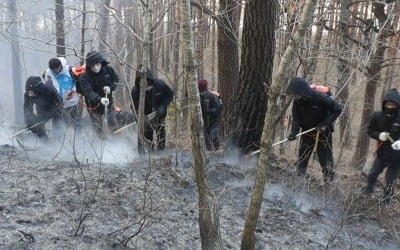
210	108
97	85
157	98
41	103
385	128
313	109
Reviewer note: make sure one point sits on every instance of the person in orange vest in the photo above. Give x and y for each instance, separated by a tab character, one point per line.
211	109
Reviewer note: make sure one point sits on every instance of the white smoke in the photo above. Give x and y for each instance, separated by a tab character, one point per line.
71	145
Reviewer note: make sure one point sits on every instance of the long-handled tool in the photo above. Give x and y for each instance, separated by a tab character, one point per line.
107	128
150	117
280	142
25	129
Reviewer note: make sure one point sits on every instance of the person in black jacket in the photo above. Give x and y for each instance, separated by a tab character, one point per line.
385	128
210	109
41	103
157	98
313	109
97	84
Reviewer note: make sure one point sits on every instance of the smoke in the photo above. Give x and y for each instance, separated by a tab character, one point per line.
71	145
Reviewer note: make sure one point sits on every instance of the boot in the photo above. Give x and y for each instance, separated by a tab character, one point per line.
328	175
367	190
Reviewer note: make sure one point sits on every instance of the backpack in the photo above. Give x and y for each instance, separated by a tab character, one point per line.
75	72
320	88
218	95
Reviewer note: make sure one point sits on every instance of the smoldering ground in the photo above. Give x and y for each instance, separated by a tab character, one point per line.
113	198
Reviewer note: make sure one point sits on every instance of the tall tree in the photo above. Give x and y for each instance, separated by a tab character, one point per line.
208	205
343	67
228	58
148	20
257	55
60	34
16	64
373	74
201	39
83	32
248	241
104	23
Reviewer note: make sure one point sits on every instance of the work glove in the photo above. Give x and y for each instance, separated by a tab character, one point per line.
161	111
321	128
107	90
384	136
105	101
396	145
292	137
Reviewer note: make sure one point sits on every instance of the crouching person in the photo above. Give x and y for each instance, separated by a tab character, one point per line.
41	103
157	98
385	128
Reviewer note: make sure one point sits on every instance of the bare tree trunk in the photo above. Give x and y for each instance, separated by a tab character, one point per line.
256	67
316	42
392	51
16	62
373	75
201	36
60	34
83	30
213	48
208	206
228	60
148	19
345	52
104	22
248	241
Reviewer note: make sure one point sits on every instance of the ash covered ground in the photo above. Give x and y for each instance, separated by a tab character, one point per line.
78	192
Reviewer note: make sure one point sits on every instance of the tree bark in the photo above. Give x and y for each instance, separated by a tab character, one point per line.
258	44
208	206
83	31
104	23
248	241
147	24
16	63
228	60
345	52
60	34
373	75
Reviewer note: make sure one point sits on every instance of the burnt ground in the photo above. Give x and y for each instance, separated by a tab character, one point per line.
115	200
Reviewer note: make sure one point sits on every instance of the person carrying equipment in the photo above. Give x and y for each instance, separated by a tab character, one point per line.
313	109
98	83
385	128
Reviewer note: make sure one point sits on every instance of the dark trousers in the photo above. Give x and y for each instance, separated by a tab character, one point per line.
40	129
97	118
211	134
392	173
324	152
158	126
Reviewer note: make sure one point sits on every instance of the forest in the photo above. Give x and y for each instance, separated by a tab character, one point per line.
78	191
